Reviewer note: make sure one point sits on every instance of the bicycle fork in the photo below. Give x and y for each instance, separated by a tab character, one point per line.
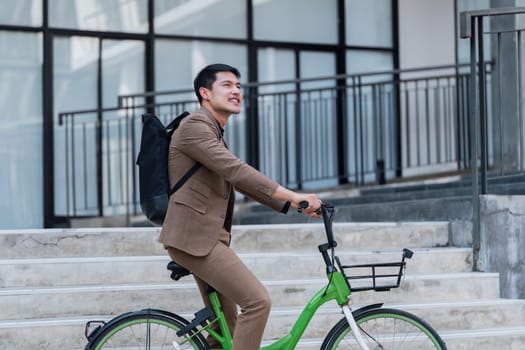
354	328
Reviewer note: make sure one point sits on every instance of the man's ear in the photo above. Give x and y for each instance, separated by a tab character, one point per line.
204	93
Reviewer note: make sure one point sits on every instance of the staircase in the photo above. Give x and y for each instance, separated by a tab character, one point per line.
447	198
53	281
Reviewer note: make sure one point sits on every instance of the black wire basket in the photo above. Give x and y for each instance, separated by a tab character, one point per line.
380	277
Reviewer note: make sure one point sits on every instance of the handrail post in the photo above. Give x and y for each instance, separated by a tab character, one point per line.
361	132
474	149
252	127
134	194
482	109
342	131
298	138
99	147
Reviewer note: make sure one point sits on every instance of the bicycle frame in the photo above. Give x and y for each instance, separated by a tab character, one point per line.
337	289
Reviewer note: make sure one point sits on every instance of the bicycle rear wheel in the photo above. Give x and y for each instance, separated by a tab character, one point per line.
145	330
385	329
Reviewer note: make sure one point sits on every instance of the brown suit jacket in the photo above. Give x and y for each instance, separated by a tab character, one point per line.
196	212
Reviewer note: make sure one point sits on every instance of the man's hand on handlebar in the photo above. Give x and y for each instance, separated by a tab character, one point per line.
309	204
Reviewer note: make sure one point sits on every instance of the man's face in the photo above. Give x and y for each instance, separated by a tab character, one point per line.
225	95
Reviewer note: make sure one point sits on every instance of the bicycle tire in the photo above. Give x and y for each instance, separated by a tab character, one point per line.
146	329
385	329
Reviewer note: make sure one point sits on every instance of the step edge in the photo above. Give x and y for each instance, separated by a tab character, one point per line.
182	285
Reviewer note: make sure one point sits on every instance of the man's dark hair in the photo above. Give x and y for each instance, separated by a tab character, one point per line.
207	77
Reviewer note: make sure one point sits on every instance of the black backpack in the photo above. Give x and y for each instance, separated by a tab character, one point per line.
154	185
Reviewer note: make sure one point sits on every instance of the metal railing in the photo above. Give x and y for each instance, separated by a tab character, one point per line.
311	133
497	133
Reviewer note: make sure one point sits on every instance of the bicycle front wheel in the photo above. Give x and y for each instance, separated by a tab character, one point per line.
145	330
385	329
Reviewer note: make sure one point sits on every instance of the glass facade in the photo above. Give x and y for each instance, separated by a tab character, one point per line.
313	21
21	12
99	15
21	129
87	53
203	18
178	61
369	23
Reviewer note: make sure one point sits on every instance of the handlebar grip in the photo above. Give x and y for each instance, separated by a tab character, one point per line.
305	204
302	205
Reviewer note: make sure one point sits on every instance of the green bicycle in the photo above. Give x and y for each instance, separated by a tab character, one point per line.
368	328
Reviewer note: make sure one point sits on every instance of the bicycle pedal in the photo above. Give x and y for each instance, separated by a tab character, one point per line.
202	318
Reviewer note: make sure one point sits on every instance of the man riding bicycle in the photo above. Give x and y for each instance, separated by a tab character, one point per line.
197	226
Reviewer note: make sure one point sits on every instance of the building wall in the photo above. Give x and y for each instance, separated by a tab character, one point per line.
98	52
502	242
426	33
111	58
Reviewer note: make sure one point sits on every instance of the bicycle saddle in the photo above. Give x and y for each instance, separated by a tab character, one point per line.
177	271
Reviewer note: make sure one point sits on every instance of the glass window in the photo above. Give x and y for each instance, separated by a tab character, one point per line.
122	69
103	15
177	62
122	73
75	88
371	118
274	65
369	23
318	119
309	21
176	65
276	113
317	64
21	130
212	18
21	12
363	61
75	73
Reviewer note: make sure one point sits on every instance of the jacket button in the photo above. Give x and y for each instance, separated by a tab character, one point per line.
225	196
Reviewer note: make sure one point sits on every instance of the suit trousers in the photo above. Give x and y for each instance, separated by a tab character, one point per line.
236	285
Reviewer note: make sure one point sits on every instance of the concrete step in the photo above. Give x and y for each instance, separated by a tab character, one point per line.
267	265
486	339
442	316
178	297
447	198
479	316
305	237
53	281
455	208
86	242
484	324
93	242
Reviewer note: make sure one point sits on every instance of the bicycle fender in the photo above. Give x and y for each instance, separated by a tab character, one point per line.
366	308
96	333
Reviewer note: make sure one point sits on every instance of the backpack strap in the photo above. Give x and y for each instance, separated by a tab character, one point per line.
175	122
185	178
174	125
